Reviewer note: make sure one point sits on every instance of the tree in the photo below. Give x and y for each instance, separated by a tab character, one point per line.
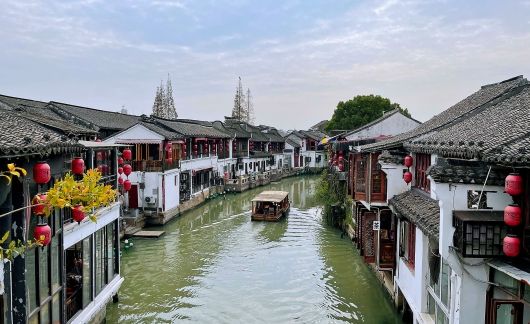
239	110
158	105
360	111
250	108
170	103
164	105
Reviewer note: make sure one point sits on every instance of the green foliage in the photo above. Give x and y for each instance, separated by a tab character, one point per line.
360	111
14	248
88	192
330	192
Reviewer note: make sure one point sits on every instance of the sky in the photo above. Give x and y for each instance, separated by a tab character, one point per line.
298	57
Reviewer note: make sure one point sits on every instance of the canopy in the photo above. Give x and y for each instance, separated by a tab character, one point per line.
272	196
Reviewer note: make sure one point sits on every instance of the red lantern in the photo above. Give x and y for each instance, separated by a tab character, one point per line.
120	160
78	166
41	172
120	170
512	215
341	159
127	154
408	161
407	177
513	185
127	169
127	185
120	180
511	245
39	200
99	156
42	234
100	169
77	213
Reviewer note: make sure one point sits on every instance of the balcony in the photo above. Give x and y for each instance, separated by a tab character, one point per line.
155	165
478	234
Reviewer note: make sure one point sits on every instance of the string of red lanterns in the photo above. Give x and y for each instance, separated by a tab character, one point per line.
408	161
511	244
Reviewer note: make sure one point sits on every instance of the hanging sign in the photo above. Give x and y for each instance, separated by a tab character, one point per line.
376	225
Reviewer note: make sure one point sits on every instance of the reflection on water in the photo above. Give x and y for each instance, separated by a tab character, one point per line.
214	265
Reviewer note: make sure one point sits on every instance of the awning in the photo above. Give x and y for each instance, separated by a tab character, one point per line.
511	271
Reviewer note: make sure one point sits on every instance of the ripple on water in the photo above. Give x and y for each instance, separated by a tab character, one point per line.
216	266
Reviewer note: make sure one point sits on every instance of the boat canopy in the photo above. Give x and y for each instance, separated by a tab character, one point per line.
272	196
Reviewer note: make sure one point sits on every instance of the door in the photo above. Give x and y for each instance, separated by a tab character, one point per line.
368	236
133	197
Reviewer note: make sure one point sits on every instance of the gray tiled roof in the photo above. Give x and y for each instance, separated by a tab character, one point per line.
234	129
291	142
272	134
462	171
486	129
421	210
168	134
60	125
101	119
378	120
39	112
21	136
516	152
191	129
485	95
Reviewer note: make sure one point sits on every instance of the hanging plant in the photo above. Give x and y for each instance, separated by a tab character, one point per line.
5	179
15	247
86	194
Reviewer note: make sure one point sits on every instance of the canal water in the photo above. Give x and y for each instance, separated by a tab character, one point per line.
214	265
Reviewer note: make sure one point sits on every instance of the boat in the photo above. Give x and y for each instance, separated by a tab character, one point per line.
270	206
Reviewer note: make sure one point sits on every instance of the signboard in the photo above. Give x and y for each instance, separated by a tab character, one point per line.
376	225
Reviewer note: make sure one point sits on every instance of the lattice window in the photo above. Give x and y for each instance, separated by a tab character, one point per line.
423	162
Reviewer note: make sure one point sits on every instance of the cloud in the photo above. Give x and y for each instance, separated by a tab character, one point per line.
313	60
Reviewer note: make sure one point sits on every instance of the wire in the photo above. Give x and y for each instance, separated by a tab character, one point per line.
483	186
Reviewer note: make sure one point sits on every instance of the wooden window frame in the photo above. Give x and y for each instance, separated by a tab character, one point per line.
407	249
422	163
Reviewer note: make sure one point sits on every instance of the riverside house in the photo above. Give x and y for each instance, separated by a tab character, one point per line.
45	284
444	200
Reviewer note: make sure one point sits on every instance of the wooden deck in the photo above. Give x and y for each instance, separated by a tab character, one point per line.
149	234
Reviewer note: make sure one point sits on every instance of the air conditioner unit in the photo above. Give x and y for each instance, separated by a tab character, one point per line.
150	200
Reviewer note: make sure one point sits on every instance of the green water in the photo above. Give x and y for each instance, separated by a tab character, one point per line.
214	265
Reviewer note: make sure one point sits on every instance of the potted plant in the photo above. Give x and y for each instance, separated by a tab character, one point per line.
6	177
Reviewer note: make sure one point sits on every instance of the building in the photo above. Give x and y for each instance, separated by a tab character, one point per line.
45	284
446	220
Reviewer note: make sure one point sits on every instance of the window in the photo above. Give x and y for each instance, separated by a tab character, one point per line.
473	198
478	234
423	162
408	242
439	290
43	276
378	180
360	173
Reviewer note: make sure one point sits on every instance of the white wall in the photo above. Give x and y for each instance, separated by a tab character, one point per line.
471	299
413	283
135	133
171	189
393	125
394	176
